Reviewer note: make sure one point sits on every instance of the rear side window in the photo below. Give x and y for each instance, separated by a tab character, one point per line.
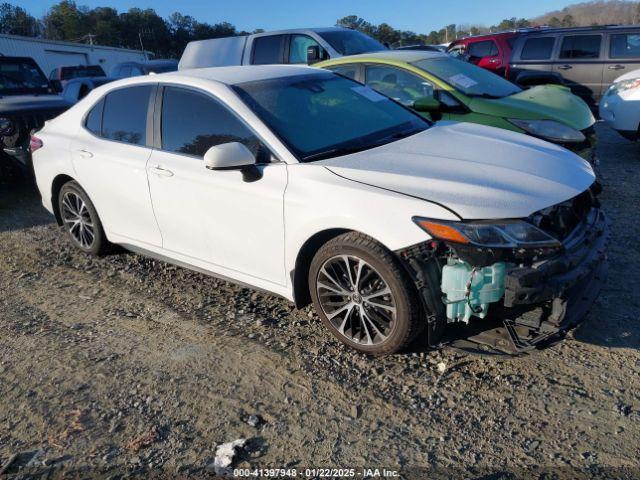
94	118
581	46
193	122
625	45
348	71
488	48
125	115
537	48
268	50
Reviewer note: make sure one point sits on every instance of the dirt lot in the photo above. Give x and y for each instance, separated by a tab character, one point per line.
123	366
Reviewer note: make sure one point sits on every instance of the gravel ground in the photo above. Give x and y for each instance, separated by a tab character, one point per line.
126	367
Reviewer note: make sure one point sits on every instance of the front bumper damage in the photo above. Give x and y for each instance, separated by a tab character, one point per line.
541	300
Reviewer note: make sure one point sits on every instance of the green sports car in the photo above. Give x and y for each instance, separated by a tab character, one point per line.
443	88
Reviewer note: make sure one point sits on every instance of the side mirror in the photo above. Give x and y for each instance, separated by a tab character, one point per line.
426	104
313	54
228	156
56	86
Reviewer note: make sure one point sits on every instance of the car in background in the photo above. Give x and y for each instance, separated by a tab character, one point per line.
491	51
64	74
297	46
134	69
620	105
312	186
446	88
586	59
27	100
426	48
78	88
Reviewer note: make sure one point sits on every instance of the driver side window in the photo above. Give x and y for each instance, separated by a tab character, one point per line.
193	122
298	48
402	86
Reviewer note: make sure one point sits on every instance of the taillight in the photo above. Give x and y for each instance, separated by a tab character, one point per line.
35	143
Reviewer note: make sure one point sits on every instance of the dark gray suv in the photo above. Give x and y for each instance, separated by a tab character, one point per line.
587	59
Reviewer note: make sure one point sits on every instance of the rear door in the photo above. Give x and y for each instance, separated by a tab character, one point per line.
110	153
623	51
485	54
580	63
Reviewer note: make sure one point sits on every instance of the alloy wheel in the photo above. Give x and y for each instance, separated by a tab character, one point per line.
77	219
356	299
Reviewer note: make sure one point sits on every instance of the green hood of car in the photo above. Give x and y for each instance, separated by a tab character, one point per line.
545	102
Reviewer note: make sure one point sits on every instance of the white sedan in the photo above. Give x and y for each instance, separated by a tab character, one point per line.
620	105
306	184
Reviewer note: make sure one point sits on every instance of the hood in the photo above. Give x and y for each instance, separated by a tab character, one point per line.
478	172
545	102
628	76
24	103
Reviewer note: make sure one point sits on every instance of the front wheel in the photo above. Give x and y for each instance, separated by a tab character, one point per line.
80	219
363	296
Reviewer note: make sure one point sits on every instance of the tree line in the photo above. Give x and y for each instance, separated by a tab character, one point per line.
166	37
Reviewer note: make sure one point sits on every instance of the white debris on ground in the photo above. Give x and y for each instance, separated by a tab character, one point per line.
225	454
442	367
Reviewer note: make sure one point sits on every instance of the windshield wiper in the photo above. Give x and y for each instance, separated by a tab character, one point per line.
336	152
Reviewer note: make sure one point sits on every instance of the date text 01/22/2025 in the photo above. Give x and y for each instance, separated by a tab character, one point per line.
316	473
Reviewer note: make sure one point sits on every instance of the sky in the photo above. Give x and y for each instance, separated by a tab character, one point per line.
420	16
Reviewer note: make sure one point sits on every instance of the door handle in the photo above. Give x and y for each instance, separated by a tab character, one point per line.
565	67
84	153
163	172
615	67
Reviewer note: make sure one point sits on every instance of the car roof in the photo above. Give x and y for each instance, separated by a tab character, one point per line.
304	30
408	56
239	74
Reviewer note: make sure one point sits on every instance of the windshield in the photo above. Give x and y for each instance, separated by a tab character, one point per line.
325	115
351	42
18	77
67	73
467	78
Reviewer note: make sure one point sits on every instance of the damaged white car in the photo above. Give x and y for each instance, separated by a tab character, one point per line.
311	186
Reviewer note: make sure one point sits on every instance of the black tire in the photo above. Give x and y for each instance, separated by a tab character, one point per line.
96	244
409	320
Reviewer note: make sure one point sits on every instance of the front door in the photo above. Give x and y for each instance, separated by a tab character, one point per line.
228	218
623	56
109	154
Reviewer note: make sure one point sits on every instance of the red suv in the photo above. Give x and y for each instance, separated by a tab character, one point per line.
491	51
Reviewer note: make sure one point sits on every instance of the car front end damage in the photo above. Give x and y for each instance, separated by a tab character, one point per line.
511	286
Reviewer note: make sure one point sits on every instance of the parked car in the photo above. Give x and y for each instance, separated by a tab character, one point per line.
445	88
61	75
491	51
427	48
620	105
78	88
317	188
134	69
298	46
27	101
587	59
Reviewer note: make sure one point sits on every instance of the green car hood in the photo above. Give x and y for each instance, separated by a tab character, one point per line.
545	102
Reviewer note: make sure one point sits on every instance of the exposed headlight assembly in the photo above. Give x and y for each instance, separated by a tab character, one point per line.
625	85
507	234
549	130
6	126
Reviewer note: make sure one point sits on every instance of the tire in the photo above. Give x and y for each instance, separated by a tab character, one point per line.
364	318
80	220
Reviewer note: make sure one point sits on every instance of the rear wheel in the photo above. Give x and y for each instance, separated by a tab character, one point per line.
363	296
80	219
